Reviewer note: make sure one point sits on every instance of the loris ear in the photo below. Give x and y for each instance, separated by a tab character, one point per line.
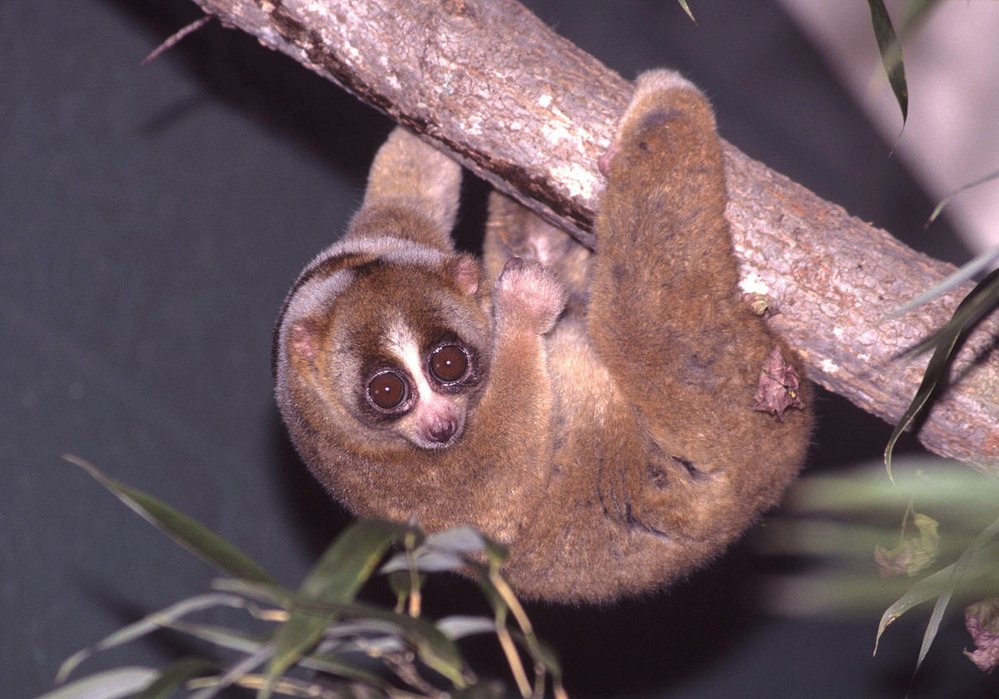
466	271
302	342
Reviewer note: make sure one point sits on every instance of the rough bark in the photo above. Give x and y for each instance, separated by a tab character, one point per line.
531	113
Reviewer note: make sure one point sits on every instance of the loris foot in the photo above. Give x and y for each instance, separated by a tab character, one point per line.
649	107
527	293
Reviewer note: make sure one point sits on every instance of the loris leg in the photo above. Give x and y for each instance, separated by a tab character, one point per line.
666	319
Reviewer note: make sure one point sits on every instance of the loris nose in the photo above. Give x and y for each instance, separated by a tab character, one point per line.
442	430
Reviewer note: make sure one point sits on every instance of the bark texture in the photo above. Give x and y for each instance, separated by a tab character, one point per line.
493	86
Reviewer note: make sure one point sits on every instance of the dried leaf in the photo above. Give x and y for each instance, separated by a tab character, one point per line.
778	387
912	554
982	621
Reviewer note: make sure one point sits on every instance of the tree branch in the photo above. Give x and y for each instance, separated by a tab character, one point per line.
531	113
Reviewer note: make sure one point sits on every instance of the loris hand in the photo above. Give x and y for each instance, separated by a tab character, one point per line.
528	294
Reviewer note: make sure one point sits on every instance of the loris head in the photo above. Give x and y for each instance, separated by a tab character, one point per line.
383	346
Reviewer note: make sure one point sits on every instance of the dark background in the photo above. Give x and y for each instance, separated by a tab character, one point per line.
151	220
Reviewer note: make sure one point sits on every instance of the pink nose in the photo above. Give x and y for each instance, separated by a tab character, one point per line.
443	430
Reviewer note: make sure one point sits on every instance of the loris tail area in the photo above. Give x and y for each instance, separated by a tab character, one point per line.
595	412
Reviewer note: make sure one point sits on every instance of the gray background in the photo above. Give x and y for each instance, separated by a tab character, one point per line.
151	220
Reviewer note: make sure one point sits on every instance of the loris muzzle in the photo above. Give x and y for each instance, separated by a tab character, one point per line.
593	412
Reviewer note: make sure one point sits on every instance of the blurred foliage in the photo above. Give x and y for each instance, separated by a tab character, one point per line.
835	525
320	640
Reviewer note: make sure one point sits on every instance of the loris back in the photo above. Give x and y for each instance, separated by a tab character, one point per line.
596	413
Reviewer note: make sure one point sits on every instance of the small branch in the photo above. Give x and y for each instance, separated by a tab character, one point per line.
531	113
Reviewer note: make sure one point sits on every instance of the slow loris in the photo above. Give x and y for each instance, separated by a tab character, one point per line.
595	413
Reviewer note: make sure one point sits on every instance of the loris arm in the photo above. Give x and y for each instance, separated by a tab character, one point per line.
410	181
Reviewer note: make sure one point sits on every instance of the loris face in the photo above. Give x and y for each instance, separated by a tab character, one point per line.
408	355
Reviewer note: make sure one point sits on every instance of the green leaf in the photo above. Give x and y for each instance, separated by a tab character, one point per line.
947	199
237	672
891	54
686	8
432	646
344	567
440	551
929	587
961	275
243	643
931	482
189	533
350	560
171	679
979	302
978	559
260	592
219	636
458	626
121	682
148	624
933	625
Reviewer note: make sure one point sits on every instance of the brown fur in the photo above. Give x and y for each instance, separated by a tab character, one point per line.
613	450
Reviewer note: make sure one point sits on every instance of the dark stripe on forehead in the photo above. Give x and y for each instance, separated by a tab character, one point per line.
326	267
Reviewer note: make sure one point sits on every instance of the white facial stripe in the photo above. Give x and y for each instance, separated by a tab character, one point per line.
404	345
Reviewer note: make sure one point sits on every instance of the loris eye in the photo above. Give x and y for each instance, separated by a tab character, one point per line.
448	364
388	390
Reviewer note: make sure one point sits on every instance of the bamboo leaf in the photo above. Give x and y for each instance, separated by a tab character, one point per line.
189	533
350	560
961	275
432	646
979	302
936	371
927	588
424	561
931	482
321	662
111	684
148	624
459	540
459	626
686	8
344	567
978	559
171	679
891	54
963	188
933	625
219	636
237	672
440	551
260	592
